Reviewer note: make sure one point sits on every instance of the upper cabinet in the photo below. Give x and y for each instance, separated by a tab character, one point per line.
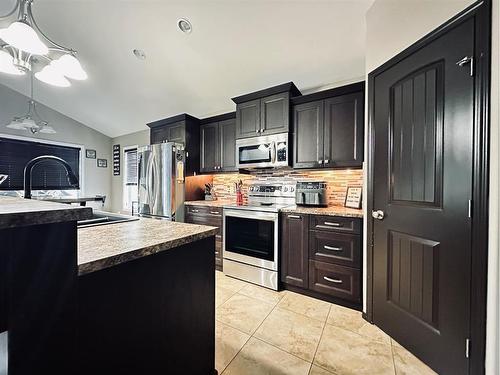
264	112
218	143
329	128
180	129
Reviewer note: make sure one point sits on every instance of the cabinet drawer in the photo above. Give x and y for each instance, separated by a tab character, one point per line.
335	223
337	248
204	210
205	220
218	252
334	280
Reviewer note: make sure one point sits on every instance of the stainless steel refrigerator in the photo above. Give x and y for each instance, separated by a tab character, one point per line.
161	181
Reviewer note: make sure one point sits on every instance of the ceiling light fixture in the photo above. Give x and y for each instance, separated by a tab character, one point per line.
31	121
184	25
23	44
140	54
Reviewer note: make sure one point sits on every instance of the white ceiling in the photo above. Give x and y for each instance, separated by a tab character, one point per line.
236	47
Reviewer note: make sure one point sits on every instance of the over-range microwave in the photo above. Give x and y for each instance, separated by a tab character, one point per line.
270	151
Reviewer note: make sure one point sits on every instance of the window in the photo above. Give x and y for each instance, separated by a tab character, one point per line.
47	175
130	179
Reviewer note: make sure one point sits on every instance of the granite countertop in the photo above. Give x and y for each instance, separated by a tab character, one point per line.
20	212
327	211
104	246
71	199
216	203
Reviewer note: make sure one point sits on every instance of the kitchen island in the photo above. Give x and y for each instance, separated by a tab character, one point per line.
133	297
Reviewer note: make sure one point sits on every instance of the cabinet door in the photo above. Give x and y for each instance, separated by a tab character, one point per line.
227	141
308	135
275	114
177	132
294	251
159	134
344	126
209	147
248	119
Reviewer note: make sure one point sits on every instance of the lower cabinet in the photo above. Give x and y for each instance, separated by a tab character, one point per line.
322	256
208	215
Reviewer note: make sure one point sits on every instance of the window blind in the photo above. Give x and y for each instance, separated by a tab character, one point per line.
131	167
47	175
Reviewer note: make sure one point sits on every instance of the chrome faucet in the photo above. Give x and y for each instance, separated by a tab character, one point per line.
72	179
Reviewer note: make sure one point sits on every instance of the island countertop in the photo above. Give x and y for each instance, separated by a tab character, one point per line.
104	246
20	212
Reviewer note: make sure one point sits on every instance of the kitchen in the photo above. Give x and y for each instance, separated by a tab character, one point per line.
276	187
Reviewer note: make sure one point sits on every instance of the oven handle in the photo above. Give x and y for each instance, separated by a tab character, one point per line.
249	214
273	152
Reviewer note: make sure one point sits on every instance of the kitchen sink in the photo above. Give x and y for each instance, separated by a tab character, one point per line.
103	218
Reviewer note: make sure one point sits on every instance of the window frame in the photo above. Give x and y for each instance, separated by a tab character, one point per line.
123	178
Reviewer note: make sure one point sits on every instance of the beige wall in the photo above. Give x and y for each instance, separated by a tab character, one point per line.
96	180
392	26
140	138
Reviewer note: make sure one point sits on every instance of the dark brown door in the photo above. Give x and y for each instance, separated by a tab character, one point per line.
423	118
248	119
344	128
308	135
209	147
275	114
294	250
227	141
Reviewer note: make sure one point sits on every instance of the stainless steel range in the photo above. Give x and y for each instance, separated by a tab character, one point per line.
251	233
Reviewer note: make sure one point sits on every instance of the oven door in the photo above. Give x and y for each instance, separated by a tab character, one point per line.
251	237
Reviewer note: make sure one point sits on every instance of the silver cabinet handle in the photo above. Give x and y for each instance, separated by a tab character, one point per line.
336	281
214	212
294	217
327	161
257	131
332	224
332	248
320	161
379	214
193	210
216	253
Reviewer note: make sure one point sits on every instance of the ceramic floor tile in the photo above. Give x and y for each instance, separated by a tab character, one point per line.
316	370
222	295
407	364
304	305
294	333
347	353
229	283
260	358
351	320
243	313
262	294
228	342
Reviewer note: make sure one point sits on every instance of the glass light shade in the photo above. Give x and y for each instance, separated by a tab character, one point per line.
24	123
15	125
69	66
7	64
47	129
53	77
22	36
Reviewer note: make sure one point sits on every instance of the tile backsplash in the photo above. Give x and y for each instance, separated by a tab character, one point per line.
337	181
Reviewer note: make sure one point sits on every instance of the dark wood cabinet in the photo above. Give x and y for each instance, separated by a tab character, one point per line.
264	112
218	144
322	256
294	254
183	129
208	215
329	131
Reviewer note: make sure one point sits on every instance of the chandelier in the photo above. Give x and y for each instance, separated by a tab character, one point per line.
31	121
23	45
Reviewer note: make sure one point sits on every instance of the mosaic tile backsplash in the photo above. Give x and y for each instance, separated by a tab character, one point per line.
337	181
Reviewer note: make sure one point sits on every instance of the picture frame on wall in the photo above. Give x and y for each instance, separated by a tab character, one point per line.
90	154
353	197
102	163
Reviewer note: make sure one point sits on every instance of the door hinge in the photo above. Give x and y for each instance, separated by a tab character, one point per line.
467	60
467	348
469	210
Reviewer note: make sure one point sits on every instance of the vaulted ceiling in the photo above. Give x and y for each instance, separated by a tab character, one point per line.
236	46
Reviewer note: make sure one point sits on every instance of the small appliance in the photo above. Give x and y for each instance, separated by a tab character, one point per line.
311	193
269	151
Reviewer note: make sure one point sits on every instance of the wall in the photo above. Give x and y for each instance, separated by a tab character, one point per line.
337	182
96	180
392	26
139	138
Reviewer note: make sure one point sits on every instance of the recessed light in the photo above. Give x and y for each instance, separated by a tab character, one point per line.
184	25
140	54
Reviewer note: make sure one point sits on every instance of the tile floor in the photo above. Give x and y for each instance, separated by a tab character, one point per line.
259	331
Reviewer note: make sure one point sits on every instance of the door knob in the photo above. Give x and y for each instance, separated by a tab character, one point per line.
379	214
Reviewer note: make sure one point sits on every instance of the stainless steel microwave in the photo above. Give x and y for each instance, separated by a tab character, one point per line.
269	151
